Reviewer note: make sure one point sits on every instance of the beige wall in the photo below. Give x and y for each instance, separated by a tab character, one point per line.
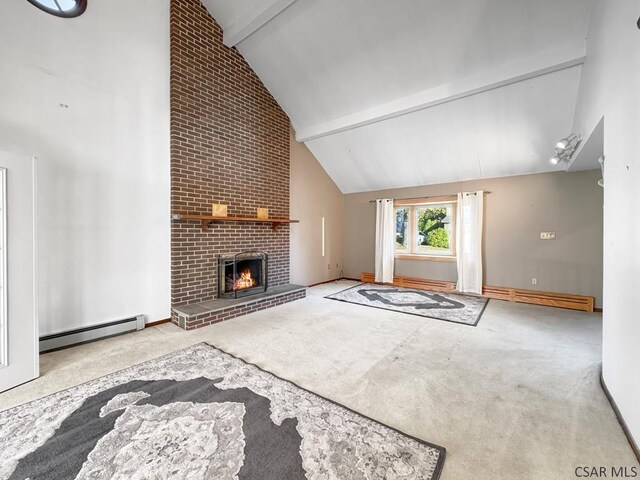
516	211
313	196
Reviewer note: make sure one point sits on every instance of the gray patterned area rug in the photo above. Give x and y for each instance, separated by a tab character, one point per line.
200	413
451	307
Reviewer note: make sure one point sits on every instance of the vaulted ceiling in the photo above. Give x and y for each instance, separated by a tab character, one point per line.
392	94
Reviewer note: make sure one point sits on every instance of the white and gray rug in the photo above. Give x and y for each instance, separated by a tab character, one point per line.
200	413
451	307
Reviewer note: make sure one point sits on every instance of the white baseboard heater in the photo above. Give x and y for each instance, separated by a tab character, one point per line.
56	341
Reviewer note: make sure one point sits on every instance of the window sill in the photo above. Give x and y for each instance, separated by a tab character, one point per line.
431	258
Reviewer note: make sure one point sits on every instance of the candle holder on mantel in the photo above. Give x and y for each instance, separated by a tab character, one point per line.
218	210
262	213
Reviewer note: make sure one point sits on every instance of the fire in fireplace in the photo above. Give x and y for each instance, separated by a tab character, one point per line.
245	280
242	274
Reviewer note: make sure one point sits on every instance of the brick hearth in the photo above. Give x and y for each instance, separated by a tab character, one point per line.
213	311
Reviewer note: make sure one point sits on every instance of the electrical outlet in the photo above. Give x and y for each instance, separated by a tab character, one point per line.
547	235
328	266
534	281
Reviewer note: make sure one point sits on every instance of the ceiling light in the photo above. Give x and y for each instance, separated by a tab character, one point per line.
566	142
565	148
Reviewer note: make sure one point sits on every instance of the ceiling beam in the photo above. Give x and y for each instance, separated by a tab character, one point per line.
524	69
252	21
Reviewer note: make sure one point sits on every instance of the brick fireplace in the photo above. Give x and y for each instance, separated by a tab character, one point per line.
229	145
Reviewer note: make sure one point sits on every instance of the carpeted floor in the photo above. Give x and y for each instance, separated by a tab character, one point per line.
200	413
450	307
517	397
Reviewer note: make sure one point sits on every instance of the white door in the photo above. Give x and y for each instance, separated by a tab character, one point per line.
18	309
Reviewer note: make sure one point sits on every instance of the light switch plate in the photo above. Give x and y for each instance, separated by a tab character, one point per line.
547	235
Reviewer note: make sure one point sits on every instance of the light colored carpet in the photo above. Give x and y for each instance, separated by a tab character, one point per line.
516	397
199	414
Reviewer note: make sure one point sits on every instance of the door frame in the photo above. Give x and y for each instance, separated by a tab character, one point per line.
28	371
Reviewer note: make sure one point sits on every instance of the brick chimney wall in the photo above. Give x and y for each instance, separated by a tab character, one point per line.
230	145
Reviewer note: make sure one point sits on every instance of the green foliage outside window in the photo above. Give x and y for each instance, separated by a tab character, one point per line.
438	238
430	219
431	231
430	224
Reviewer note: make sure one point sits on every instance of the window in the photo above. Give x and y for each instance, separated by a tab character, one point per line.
61	8
425	230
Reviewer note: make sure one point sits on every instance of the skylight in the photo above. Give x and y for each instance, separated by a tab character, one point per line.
61	8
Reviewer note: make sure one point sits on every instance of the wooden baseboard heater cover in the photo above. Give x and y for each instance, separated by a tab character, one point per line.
408	282
549	299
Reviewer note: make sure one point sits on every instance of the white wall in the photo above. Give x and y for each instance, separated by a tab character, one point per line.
609	88
103	160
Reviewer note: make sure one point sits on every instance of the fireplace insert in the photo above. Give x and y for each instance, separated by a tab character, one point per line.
242	274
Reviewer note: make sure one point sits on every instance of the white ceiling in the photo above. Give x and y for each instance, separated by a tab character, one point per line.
391	94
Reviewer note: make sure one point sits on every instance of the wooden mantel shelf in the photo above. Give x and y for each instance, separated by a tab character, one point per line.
206	220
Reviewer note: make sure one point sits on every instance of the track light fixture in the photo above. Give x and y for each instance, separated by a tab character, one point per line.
565	148
565	142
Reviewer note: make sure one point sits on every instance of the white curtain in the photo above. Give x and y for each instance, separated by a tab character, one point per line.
469	241
385	240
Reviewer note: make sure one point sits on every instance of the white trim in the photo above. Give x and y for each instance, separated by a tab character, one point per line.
524	69
36	322
253	21
4	343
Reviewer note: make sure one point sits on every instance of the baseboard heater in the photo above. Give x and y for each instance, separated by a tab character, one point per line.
56	341
535	297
